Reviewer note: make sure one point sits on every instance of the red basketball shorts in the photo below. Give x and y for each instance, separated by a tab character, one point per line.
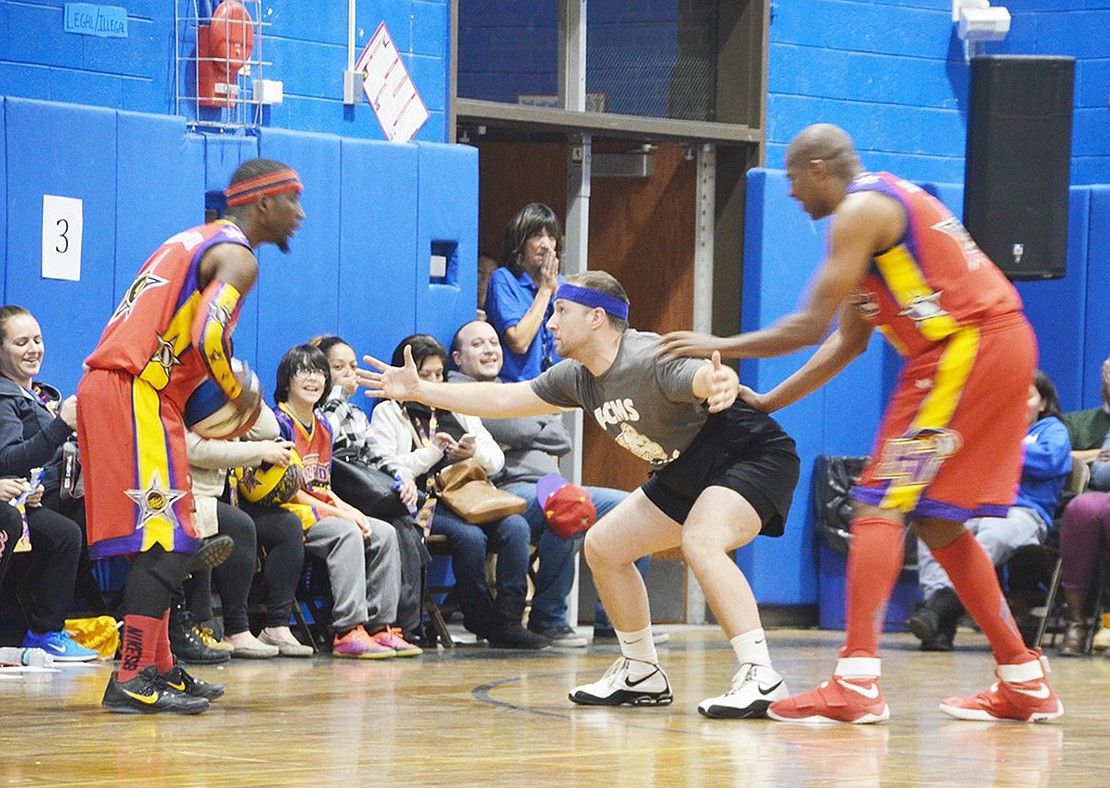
138	490
950	443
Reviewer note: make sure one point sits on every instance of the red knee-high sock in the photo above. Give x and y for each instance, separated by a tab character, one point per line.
976	584
874	562
163	653
138	646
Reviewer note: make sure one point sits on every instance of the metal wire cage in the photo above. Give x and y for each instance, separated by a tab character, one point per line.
216	90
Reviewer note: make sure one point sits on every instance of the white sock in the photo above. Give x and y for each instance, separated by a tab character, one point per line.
638	646
751	648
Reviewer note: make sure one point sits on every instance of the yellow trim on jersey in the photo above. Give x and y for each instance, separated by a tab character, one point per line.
152	460
939	406
172	345
908	284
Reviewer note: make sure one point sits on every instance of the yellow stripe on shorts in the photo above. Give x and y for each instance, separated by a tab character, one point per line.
156	516
936	411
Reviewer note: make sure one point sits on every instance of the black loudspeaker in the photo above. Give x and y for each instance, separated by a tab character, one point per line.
1017	169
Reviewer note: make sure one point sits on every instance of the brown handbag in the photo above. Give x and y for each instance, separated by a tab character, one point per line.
466	490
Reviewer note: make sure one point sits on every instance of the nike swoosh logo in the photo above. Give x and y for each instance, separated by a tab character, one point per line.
147	699
1040	694
770	689
761	640
179	687
640	680
871	693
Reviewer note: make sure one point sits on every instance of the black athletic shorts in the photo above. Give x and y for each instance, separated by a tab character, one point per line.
741	449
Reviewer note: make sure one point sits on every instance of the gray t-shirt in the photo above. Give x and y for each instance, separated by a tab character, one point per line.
645	405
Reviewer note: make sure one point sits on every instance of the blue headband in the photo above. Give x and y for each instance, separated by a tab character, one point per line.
593	298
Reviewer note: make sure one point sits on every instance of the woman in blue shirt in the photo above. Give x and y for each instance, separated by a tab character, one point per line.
1045	468
518	301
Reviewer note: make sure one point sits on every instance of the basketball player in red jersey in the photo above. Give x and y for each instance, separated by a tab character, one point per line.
949	446
171	331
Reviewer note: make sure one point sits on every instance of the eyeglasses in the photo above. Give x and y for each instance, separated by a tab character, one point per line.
305	374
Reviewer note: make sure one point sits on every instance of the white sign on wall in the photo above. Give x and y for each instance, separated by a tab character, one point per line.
62	225
389	88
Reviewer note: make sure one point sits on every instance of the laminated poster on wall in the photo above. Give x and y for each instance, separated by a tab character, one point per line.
62	230
389	88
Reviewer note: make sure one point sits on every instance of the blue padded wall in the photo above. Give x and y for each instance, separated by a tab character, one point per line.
1097	347
447	213
297	292
4	187
377	272
69	151
782	250
1061	341
159	190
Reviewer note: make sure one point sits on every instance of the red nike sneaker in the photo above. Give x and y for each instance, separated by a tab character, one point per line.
852	695
1022	693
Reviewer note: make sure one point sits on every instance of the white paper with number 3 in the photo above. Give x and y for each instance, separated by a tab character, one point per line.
62	225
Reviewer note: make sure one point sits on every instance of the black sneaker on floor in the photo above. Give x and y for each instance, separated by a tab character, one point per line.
148	693
213	552
561	637
189	648
514	636
179	679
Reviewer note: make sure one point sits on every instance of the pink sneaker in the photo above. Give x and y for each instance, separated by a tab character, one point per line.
852	695
390	637
1022	693
356	644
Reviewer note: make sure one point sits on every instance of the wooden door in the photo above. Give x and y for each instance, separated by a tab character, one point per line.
641	231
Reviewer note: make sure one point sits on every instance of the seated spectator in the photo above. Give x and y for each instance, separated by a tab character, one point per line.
35	422
359	486
532	445
1045	469
11	521
520	295
423	441
280	535
1084	539
360	552
1088	428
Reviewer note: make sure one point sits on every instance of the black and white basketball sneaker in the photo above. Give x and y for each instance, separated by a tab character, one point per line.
754	688
628	681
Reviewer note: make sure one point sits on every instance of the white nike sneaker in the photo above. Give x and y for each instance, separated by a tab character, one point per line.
754	688
617	688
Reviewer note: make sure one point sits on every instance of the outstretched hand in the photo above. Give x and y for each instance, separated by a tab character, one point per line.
396	383
753	398
677	344
723	386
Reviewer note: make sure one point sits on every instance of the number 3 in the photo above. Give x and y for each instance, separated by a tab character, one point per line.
64	247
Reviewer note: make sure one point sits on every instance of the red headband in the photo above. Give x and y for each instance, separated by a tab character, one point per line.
271	183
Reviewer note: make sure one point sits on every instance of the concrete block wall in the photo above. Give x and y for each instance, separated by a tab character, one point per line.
305	43
893	73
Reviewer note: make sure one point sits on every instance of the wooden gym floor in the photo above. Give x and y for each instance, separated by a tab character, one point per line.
473	716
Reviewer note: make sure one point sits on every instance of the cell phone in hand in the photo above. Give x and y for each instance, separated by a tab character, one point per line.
468	439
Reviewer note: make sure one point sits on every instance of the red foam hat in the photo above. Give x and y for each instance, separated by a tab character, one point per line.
567	507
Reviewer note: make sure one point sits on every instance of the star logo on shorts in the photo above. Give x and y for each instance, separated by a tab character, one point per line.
156	501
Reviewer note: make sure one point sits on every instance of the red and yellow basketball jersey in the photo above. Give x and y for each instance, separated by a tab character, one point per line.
935	280
150	333
313	444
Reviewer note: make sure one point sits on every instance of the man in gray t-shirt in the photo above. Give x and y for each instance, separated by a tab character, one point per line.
722	474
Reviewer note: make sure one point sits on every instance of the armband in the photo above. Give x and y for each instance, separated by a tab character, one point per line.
216	314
